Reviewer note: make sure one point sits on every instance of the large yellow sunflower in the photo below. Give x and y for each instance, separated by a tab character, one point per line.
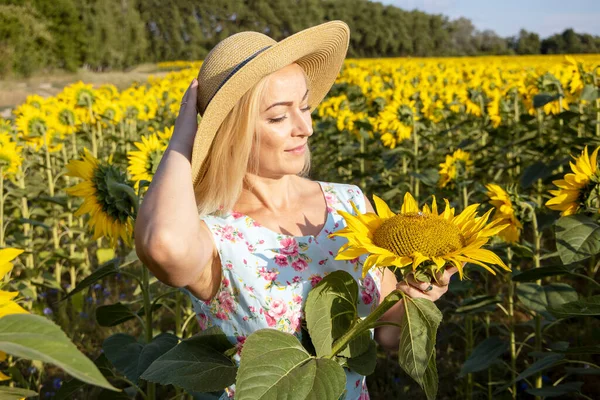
505	212
143	163
106	198
414	237
575	188
457	164
10	156
7	303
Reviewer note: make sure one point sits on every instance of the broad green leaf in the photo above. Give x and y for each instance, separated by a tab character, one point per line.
417	336
274	365
130	357
534	274
478	303
532	173
589	306
538	298
589	93
8	393
123	351
358	345
36	338
196	364
159	345
115	314
582	371
484	355
591	349
539	365
330	309
366	362
430	379
558	390
111	267
577	238
540	100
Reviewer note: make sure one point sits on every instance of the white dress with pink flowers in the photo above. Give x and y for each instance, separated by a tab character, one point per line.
267	275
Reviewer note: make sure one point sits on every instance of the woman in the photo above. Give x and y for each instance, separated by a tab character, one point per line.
261	240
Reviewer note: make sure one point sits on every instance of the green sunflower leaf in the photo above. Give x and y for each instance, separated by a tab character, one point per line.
417	337
330	310
577	238
274	366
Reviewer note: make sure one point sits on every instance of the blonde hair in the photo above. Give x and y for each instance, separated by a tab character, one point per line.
231	157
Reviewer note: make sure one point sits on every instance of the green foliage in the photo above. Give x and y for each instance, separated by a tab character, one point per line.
577	238
331	310
584	307
418	331
274	365
197	364
36	338
24	40
484	355
116	34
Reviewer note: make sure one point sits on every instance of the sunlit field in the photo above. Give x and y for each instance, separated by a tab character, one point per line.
518	135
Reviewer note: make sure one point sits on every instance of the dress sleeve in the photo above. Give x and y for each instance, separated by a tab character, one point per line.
347	193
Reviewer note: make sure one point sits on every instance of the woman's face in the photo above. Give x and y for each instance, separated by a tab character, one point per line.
284	123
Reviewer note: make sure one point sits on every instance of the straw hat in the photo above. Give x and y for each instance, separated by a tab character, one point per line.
239	61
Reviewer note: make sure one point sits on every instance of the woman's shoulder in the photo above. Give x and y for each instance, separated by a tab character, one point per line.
340	195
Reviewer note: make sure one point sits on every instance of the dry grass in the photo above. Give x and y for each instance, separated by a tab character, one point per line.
14	91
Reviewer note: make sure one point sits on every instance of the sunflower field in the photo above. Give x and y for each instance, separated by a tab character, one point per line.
516	138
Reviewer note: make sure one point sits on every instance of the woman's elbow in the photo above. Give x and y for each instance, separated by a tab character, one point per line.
388	338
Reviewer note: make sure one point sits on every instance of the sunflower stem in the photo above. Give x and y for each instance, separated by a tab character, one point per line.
362	162
511	321
26	226
468	350
151	388
416	159
367	323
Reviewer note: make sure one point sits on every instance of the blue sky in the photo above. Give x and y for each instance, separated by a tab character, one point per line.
507	17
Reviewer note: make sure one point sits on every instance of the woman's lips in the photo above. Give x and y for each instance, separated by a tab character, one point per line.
297	150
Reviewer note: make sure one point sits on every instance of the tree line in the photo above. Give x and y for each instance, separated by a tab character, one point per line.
40	35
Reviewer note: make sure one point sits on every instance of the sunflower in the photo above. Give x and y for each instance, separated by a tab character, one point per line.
576	187
108	198
505	212
63	117
7	303
143	163
459	164
414	237
10	156
33	125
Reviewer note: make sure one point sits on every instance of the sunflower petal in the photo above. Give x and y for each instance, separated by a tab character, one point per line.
383	210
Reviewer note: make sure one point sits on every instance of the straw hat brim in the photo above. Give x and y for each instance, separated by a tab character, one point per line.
319	50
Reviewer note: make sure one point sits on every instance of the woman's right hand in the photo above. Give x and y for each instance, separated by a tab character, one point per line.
186	123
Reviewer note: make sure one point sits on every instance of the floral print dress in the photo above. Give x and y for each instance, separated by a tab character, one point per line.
267	275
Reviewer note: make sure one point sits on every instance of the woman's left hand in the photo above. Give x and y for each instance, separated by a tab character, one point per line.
431	291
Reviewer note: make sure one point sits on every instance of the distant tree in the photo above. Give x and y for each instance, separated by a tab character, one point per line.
526	43
25	41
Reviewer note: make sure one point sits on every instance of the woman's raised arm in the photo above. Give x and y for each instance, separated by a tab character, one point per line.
169	237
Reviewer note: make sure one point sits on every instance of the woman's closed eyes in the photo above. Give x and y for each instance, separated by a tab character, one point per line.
275	120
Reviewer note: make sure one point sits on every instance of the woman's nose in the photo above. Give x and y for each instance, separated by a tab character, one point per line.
303	125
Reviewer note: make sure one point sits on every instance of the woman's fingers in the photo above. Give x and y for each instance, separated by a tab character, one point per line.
186	123
410	290
422	286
